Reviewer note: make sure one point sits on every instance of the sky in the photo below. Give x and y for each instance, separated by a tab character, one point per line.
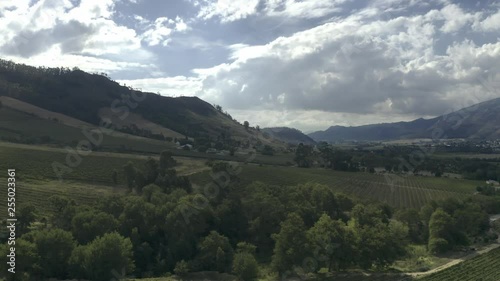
307	64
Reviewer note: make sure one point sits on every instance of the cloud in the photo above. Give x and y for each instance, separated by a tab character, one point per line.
160	31
226	10
83	34
491	23
455	18
233	10
302	9
169	86
356	67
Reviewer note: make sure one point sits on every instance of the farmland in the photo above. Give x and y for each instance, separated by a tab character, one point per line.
35	162
397	191
485	267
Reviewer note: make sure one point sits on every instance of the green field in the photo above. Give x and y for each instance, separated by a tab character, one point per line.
405	191
485	267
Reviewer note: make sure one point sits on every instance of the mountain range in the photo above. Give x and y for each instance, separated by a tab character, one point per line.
289	135
75	97
480	121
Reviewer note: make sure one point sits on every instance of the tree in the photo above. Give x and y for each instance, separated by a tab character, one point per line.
166	161
25	217
411	218
65	209
54	248
379	244
267	150
215	252
114	176
181	268
245	265
291	244
441	227
246	125
102	258
27	260
303	156
332	241
89	224
264	212
130	174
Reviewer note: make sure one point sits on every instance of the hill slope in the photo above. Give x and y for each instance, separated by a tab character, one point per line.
84	96
289	135
477	121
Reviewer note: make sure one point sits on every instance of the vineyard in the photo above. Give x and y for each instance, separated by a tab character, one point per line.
36	163
397	191
485	267
38	193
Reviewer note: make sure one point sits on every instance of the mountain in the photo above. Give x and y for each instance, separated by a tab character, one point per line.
478	121
89	97
289	135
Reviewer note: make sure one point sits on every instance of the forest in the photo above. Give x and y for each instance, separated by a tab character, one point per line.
166	225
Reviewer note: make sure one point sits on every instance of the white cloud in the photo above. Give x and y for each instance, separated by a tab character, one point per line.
302	9
58	33
161	30
455	18
352	66
169	86
227	10
491	23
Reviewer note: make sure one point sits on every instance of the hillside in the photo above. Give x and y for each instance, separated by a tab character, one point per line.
86	97
289	135
478	121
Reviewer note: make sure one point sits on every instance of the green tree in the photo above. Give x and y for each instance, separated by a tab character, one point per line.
89	224
166	161
215	252
303	155
245	265
332	242
411	218
264	212
103	258
25	217
64	210
246	125
291	244
441	227
130	174
54	247
181	268
26	258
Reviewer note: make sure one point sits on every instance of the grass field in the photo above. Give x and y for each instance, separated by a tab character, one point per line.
405	191
485	267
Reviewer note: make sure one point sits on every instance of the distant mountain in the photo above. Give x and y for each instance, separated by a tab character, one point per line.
289	135
89	97
478	121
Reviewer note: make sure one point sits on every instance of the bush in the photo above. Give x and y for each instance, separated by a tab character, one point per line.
181	268
245	266
438	245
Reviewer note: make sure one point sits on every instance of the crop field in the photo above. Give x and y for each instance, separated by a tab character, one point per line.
402	191
35	162
485	267
38	193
